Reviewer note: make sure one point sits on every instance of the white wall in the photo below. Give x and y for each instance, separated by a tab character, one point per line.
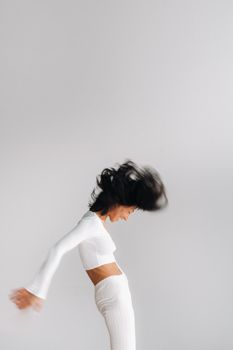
87	84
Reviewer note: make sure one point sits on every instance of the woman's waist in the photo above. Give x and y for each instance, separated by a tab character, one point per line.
100	272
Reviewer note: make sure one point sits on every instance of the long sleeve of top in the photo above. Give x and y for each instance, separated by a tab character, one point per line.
83	230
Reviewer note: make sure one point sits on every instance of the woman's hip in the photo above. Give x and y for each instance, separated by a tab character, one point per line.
113	293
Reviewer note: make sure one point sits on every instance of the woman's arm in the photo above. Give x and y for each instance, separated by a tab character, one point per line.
40	284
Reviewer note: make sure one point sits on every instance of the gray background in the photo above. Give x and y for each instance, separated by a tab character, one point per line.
87	84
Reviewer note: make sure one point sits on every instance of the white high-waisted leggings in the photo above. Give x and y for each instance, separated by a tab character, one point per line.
113	300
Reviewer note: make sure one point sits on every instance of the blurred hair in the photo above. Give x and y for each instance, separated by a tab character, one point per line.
128	185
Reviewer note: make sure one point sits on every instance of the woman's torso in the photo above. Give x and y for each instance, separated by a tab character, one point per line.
97	274
97	252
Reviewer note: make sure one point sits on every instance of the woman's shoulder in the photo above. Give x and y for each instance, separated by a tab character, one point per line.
89	219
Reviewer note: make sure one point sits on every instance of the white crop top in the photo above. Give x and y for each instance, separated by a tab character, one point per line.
95	246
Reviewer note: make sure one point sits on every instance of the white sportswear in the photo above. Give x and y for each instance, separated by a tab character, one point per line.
95	245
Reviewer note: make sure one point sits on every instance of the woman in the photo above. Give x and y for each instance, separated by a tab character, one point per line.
123	191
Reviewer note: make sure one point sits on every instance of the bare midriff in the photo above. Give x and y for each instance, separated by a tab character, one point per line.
99	273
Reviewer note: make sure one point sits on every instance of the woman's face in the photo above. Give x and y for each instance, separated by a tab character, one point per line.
120	212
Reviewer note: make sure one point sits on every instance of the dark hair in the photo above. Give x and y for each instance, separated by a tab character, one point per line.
128	185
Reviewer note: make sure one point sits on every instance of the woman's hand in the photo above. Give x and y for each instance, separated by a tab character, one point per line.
23	299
